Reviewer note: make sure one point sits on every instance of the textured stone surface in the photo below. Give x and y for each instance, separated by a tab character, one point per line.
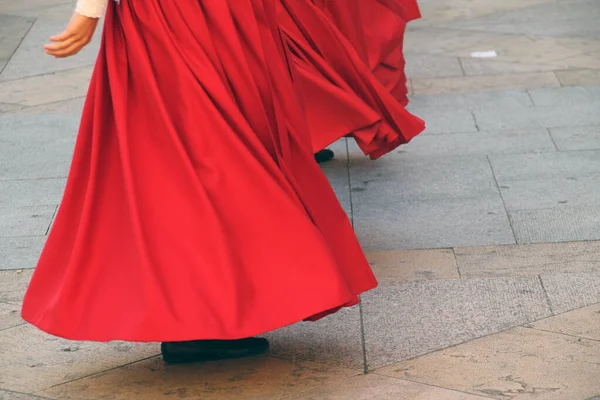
31	192
567	292
454	101
413	265
521	364
488	142
584	323
556	224
577	138
30	59
579	77
566	96
13	284
476	83
25	221
72	106
535	167
12	31
373	386
8	395
477	66
10	316
43	89
27	141
530	259
20	252
334	340
432	66
265	378
56	361
445	121
407	320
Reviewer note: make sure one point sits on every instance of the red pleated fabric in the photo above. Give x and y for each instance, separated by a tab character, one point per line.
193	208
342	95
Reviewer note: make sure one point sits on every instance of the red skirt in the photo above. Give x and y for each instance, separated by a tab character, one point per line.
342	52
193	208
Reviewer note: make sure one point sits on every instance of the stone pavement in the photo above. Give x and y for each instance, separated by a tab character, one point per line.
484	231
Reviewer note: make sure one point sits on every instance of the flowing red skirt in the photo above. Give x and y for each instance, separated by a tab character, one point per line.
193	208
342	51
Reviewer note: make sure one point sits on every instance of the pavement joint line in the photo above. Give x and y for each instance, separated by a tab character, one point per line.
472	112
34	20
51	220
431	385
287	396
25	107
548	301
45	74
12	327
24	393
549	131
462	66
456	262
97	373
562	333
528	91
502	198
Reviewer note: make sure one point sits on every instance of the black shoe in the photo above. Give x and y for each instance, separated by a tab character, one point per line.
211	350
324	156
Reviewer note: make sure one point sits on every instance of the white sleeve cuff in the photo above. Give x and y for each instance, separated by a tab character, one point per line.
91	8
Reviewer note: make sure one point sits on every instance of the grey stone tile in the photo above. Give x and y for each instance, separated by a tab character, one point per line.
55	361
485	142
458	101
406	320
72	106
533	167
333	340
31	192
478	67
413	265
556	225
577	138
551	193
549	117
432	66
10	316
13	284
583	95
20	252
8	395
35	6
336	171
413	202
27	141
30	59
45	89
12	31
570	291
445	121
25	221
528	260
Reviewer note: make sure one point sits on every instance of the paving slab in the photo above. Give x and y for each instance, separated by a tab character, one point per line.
565	224
56	360
334	340
567	292
48	88
545	166
533	140
529	259
583	323
72	106
265	378
520	364
478	67
582	95
31	192
20	252
570	115
470	101
576	138
12	31
27	141
579	77
31	60
8	395
10	316
407	320
26	221
478	83
413	265
432	66
372	386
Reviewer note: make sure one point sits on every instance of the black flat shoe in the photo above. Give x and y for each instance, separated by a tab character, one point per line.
324	156
211	350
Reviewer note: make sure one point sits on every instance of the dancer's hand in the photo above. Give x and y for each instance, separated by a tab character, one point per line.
78	33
